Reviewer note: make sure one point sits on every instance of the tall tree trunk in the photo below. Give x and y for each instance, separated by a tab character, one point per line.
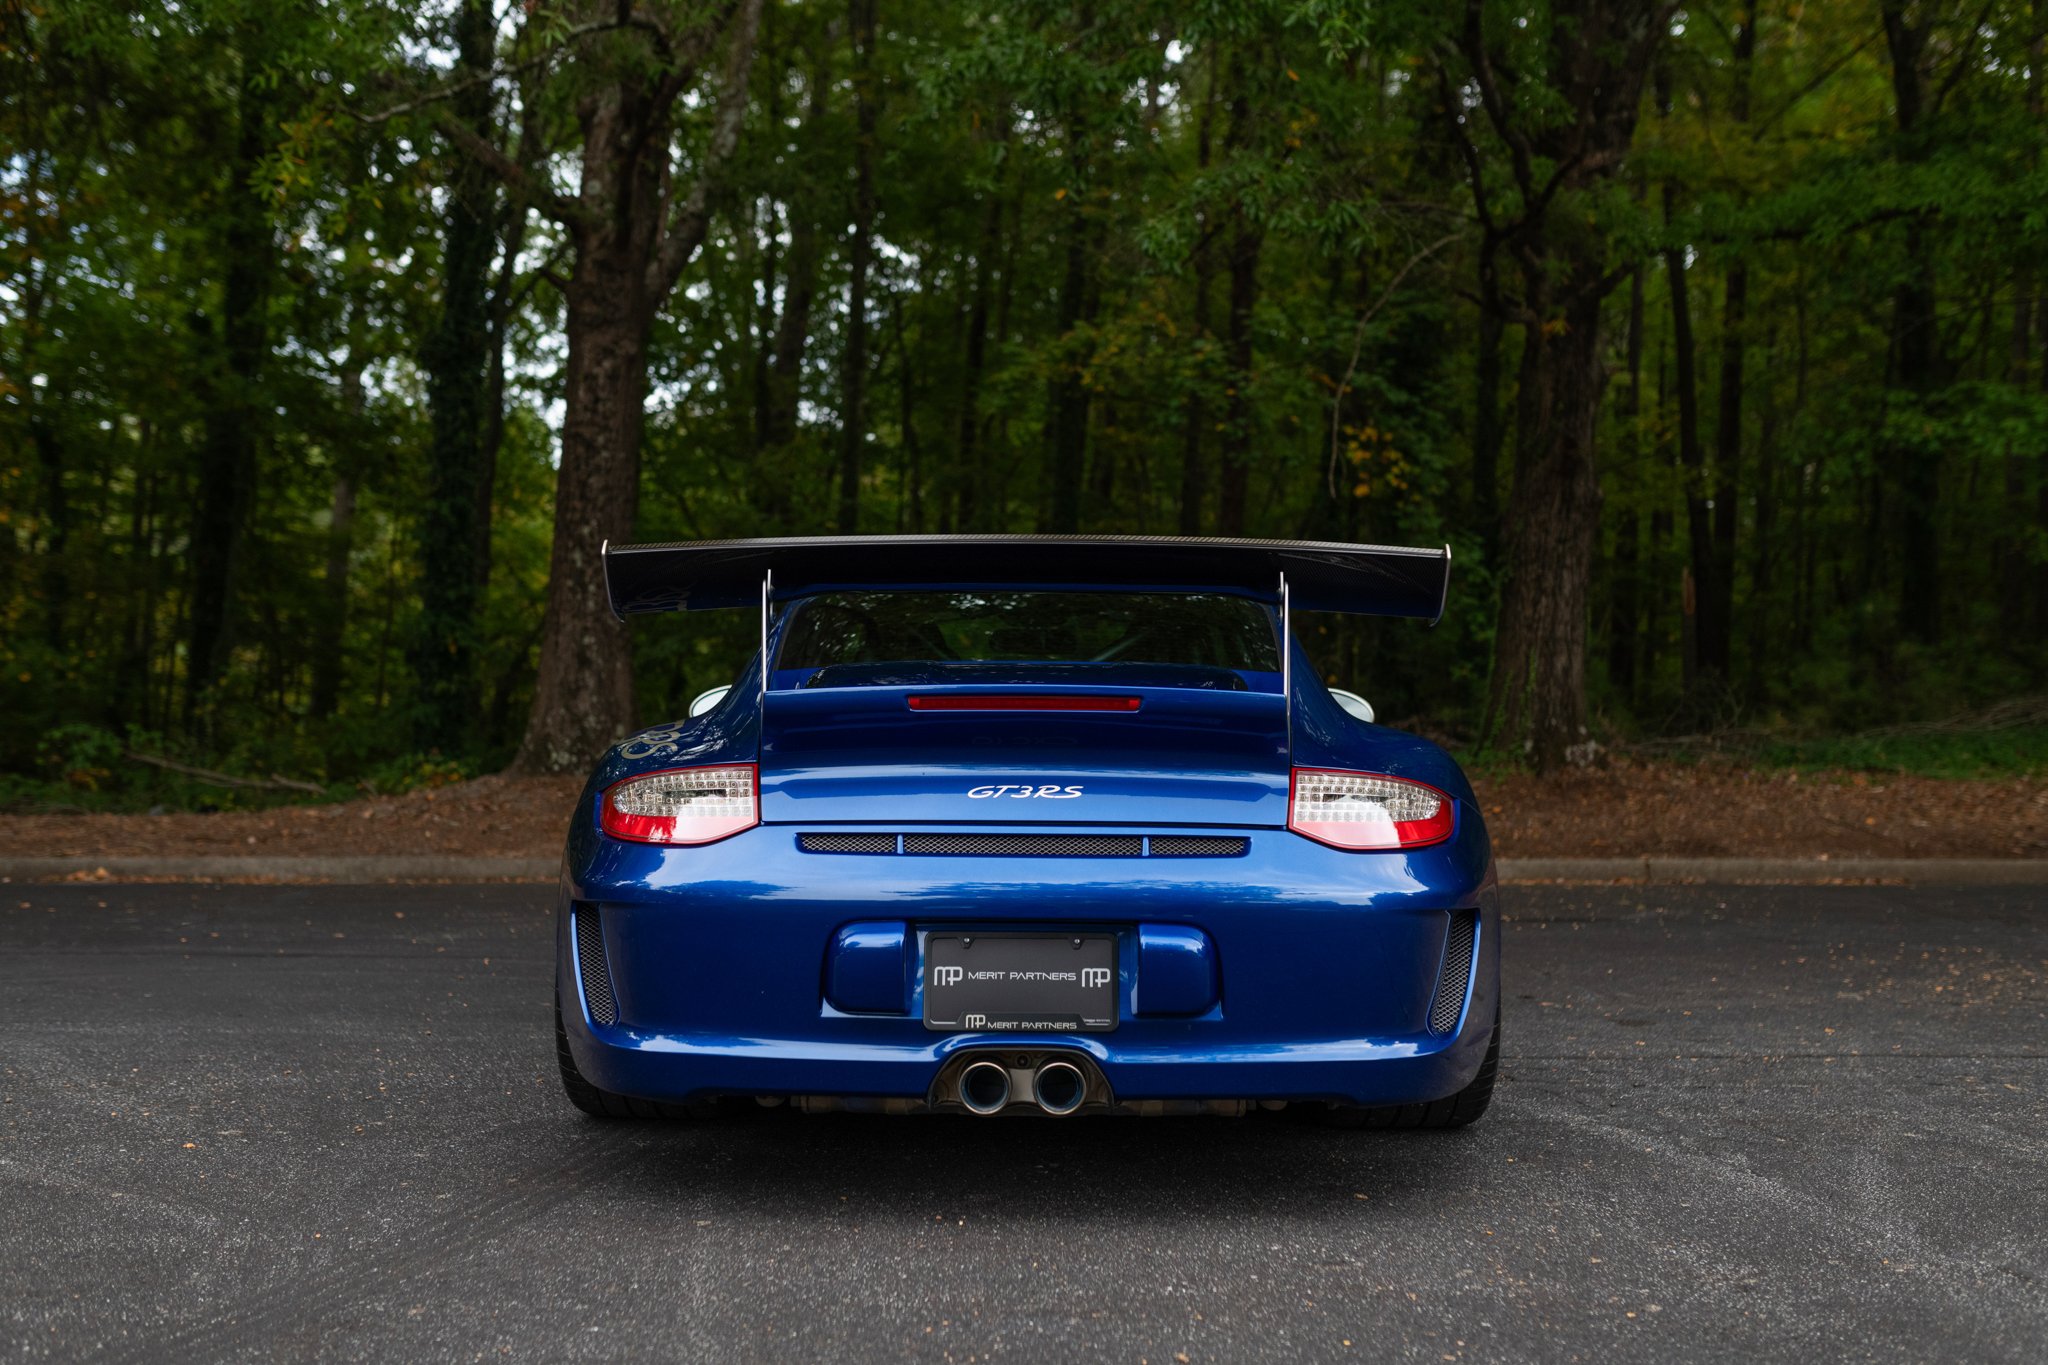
1622	633
152	712
776	415
1487	429
49	448
1705	637
1663	530
792	334
633	235
234	413
36	284
1539	682
967	437
853	425
768	226
504	301
1195	421
1728	464
329	662
1762	613
1705	666
1719	651
330	657
764	224
1594	67
456	359
2037	106
1070	397
583	694
1238	425
906	413
2041	482
1914	468
1246	241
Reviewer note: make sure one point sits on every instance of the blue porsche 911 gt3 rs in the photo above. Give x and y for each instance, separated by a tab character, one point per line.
1029	824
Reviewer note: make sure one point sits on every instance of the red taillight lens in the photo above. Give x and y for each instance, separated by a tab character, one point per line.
1012	702
683	805
1367	810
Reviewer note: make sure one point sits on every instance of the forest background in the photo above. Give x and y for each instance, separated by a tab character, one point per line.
335	338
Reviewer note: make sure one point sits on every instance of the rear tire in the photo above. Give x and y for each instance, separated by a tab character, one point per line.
1452	1111
603	1104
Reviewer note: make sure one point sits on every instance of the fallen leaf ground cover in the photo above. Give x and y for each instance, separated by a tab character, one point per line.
1623	808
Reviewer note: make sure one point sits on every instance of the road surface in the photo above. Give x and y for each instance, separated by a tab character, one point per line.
323	1123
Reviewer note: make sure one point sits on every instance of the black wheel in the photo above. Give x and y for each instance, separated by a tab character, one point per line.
1452	1111
604	1104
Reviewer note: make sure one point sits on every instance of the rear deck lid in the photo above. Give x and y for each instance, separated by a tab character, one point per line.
1024	752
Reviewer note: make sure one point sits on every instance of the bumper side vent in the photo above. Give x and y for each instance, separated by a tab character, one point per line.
1028	845
590	965
846	843
1457	972
1197	846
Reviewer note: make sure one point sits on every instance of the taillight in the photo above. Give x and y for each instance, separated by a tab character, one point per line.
1367	810
984	702
682	805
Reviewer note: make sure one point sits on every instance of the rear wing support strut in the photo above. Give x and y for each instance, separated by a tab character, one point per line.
1287	664
767	587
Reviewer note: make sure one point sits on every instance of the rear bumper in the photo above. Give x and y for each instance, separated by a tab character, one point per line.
1327	965
670	1067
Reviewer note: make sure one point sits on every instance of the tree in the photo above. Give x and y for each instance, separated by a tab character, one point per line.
1915	42
1130	268
456	356
853	388
236	421
635	222
1562	112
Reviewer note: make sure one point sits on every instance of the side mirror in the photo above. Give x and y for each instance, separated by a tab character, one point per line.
704	701
1350	701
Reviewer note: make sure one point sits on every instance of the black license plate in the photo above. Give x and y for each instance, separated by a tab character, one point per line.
1020	983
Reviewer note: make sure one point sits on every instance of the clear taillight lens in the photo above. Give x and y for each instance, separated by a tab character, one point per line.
683	805
1367	810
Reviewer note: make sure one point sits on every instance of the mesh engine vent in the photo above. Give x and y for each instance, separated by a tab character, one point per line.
1033	845
846	843
1457	973
1028	845
590	966
1197	846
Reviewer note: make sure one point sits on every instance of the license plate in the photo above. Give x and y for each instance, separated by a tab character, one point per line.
1020	983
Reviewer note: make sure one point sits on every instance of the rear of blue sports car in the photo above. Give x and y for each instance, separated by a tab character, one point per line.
1028	841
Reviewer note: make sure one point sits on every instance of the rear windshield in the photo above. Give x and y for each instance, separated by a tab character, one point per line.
841	633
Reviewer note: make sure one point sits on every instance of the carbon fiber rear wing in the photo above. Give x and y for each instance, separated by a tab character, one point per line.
1373	580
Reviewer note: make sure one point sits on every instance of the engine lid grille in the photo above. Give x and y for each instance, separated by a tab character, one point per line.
1001	845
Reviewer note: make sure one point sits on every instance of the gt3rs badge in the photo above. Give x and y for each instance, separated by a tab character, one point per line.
1027	791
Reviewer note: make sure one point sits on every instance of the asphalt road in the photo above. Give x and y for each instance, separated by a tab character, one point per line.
286	1123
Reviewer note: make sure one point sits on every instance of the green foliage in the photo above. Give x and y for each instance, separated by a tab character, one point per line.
2021	752
1071	176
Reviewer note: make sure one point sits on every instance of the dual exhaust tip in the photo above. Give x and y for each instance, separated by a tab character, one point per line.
1056	1087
